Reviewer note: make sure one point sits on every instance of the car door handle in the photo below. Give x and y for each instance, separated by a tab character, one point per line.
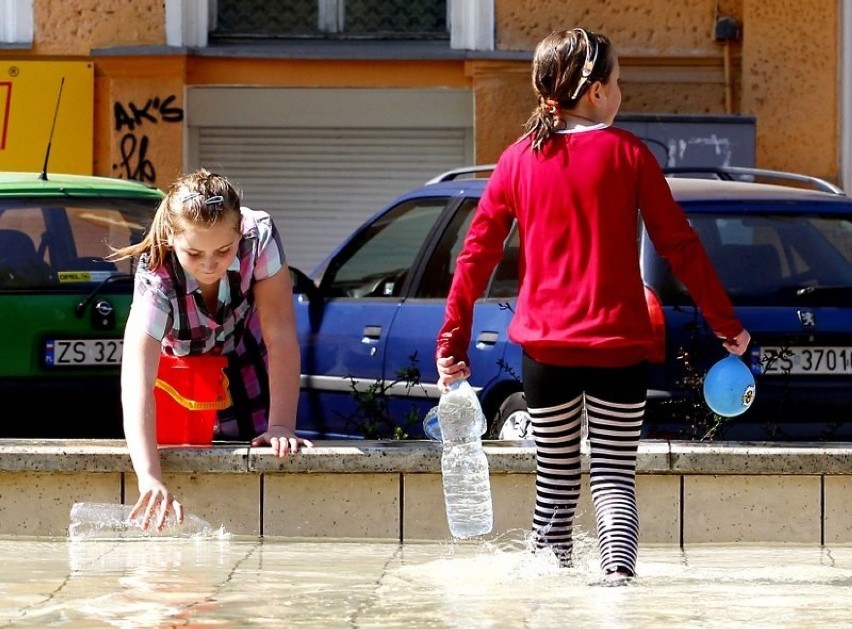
487	338
372	333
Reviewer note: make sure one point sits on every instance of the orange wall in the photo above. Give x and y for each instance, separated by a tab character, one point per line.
139	101
139	118
326	73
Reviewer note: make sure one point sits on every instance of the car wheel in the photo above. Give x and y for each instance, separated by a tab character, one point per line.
512	421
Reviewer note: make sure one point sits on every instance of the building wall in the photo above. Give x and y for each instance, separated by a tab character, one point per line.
140	100
783	71
790	70
139	117
637	27
75	27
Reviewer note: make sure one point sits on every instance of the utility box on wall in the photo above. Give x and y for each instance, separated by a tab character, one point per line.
679	140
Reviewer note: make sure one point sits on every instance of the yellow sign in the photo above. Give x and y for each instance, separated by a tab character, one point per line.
37	96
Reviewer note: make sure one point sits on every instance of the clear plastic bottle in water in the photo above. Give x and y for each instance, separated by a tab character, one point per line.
464	466
94	520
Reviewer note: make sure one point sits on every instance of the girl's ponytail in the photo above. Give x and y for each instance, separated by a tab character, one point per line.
565	64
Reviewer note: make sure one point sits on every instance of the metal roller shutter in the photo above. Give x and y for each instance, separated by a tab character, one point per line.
320	184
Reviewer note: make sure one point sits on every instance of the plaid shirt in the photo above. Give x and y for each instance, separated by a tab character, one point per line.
177	317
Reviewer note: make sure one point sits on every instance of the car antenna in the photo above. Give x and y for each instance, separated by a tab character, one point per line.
43	175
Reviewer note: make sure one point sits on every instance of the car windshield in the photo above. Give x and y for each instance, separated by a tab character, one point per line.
775	257
61	245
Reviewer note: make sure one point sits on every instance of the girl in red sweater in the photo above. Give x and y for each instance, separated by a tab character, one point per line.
575	185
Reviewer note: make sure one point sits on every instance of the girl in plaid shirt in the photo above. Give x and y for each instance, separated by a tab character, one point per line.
212	279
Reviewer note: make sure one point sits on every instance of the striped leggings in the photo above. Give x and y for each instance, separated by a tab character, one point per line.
614	401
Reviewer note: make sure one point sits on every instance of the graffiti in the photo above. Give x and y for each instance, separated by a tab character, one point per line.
134	159
134	162
691	151
133	116
709	150
687	141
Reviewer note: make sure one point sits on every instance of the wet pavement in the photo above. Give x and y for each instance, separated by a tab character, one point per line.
224	581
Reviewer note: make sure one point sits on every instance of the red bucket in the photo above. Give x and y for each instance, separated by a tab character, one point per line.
189	390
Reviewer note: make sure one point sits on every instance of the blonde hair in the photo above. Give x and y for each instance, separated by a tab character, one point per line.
199	197
565	65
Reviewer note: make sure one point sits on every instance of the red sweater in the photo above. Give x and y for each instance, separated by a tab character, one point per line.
581	299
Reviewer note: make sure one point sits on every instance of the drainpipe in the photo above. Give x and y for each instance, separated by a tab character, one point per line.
726	31
845	69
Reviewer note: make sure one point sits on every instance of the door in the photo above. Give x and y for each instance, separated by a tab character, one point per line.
344	331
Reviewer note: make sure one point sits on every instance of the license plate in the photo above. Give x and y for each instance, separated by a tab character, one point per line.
82	352
817	361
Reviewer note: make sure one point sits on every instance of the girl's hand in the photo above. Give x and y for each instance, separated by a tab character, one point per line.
739	344
449	371
155	502
283	441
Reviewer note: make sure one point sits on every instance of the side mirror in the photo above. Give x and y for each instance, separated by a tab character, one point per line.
302	284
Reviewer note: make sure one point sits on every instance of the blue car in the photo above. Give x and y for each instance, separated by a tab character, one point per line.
368	315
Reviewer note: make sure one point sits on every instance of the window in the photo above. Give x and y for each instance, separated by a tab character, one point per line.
766	256
61	246
505	282
21	266
378	260
438	275
409	19
439	271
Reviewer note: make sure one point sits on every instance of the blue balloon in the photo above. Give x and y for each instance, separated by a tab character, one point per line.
729	387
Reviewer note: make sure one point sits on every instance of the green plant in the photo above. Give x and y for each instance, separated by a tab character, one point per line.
688	411
372	417
704	424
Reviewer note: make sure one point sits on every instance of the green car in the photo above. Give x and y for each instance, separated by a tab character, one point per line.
63	307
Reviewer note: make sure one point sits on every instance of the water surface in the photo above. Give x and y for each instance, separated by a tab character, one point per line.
241	582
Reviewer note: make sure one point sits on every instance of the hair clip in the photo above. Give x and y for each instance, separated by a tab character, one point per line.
190	196
589	65
214	200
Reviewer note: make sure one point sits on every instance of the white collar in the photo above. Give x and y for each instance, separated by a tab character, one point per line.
583	129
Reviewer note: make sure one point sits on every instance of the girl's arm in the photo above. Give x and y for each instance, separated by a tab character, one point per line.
141	357
274	299
677	242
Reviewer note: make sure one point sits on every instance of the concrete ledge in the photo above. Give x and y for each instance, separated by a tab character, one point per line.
655	457
688	492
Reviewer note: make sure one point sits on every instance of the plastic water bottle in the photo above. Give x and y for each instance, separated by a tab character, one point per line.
431	426
464	466
94	520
